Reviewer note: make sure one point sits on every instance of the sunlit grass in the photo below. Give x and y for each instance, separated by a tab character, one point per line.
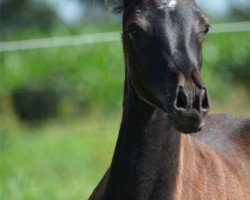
236	102
65	159
59	160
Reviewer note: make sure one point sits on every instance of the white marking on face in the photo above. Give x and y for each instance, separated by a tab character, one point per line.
172	4
163	4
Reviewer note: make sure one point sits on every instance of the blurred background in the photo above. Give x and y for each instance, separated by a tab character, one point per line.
61	89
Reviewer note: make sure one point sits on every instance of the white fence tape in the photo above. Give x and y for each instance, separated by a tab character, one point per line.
59	41
230	27
100	38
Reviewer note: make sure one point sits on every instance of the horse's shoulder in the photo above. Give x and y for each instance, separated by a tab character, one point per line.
225	125
229	125
226	133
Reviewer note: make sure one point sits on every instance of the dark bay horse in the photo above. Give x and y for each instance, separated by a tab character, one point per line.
168	146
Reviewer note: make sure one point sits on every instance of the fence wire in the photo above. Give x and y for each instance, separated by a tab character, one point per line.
101	38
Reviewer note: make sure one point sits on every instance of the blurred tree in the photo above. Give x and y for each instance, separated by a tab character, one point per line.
21	14
240	14
240	9
102	3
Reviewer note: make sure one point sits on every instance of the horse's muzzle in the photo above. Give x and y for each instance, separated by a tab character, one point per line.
190	107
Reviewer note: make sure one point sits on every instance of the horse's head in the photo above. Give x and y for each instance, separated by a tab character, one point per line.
162	43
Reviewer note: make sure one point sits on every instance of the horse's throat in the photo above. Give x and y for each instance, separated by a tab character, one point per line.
145	161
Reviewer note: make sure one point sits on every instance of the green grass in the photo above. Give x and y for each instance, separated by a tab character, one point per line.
65	159
91	75
60	160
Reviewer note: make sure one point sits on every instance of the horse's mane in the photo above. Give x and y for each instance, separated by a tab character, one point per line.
117	8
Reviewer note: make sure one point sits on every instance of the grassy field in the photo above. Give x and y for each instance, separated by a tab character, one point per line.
92	75
60	160
65	159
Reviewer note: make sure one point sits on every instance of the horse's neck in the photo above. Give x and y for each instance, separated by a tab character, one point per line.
145	161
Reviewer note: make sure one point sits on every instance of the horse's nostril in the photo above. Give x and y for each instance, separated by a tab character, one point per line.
181	98
204	99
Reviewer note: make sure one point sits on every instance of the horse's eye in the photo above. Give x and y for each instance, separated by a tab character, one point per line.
206	29
135	34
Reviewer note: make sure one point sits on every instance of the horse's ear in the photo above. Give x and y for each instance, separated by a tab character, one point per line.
126	3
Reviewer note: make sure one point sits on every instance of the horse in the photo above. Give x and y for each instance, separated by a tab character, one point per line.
169	147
